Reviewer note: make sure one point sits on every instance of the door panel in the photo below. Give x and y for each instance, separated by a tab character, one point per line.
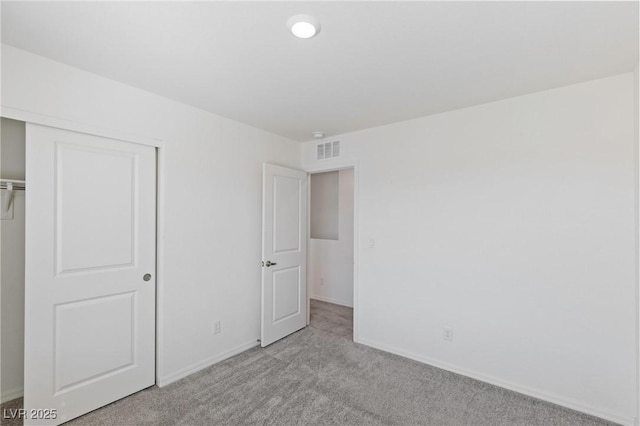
286	293
286	221
86	347
90	239
284	252
78	198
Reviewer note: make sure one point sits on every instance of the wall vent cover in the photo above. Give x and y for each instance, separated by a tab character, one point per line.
328	150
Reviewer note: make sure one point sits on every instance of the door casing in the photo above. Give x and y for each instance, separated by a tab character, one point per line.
332	167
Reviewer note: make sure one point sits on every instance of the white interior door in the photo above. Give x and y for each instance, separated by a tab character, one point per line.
284	252
90	272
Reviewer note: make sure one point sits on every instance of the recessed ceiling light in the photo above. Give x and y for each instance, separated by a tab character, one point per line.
303	26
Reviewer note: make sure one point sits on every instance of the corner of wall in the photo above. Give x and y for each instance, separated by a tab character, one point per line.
636	110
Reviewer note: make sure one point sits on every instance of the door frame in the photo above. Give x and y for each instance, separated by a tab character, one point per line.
158	144
332	167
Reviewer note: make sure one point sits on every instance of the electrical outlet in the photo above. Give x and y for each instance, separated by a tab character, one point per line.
447	333
321	280
217	327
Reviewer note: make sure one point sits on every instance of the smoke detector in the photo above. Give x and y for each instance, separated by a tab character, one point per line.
318	135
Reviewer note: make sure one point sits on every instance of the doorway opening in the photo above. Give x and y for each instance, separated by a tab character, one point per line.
330	266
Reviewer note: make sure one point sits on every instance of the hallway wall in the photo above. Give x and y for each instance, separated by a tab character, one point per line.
331	261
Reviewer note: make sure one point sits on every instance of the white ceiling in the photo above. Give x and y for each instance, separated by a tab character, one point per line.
373	63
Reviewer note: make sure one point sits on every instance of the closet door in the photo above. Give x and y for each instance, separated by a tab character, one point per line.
90	272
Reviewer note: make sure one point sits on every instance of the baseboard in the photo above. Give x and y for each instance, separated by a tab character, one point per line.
18	392
184	372
545	396
11	394
330	300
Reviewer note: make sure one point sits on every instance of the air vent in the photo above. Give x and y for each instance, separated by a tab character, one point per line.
336	148
328	150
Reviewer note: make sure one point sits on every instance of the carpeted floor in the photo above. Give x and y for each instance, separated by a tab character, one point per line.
319	376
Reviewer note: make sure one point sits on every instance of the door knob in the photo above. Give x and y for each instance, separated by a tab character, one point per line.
146	277
270	263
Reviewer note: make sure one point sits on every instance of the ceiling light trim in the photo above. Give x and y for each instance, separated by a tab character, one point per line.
303	26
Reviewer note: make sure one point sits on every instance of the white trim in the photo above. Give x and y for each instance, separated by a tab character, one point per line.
332	166
184	372
330	300
10	395
636	136
341	165
308	260
74	126
160	256
535	393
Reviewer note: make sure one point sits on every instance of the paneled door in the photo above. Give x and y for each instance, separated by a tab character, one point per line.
284	252
90	272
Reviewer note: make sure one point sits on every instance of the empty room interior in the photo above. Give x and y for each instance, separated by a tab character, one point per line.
331	212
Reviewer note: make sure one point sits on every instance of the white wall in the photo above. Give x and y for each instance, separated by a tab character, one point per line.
636	109
12	166
323	206
513	223
212	212
331	261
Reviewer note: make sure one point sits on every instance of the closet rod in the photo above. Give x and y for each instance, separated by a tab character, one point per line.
18	185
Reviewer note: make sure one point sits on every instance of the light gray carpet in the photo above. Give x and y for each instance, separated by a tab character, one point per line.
318	376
